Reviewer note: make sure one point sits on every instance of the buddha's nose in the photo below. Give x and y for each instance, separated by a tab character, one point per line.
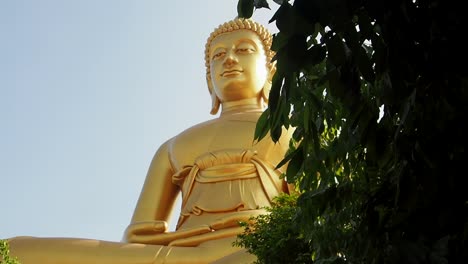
230	59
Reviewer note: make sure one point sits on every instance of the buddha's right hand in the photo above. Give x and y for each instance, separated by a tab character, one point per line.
147	227
154	232
144	228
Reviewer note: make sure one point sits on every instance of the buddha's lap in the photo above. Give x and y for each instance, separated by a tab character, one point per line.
80	251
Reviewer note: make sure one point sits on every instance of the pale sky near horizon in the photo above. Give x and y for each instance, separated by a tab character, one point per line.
89	89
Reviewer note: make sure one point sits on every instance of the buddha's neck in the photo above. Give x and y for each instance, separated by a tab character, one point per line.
244	105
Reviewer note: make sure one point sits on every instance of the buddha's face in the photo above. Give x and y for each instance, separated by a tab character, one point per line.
237	65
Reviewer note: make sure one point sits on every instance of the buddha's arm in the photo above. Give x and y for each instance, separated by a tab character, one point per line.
156	200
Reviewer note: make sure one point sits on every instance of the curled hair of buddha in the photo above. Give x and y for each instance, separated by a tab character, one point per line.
236	24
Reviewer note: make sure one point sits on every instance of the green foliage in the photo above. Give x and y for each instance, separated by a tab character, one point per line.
274	237
245	8
376	186
5	254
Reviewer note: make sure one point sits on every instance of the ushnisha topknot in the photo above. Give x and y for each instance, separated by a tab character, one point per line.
236	24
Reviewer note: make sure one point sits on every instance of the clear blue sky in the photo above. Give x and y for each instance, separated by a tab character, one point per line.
89	89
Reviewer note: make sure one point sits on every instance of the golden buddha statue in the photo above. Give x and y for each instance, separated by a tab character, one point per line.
223	175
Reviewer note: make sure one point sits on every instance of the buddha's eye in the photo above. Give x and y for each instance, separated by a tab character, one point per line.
245	50
218	55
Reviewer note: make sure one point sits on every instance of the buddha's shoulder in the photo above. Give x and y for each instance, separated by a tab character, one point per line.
195	135
201	129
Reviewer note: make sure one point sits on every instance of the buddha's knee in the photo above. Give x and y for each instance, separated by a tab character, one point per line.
33	250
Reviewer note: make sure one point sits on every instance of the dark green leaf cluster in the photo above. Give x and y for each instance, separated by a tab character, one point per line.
376	91
5	257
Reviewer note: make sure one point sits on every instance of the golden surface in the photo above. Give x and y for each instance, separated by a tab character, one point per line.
223	175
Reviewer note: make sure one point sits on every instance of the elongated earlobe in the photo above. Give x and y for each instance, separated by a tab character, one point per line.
215	103
267	87
266	91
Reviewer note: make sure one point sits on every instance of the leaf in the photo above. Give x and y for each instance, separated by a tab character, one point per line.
276	119
316	54
380	56
275	92
298	133
245	8
365	25
296	51
306	118
280	2
279	41
263	125
275	133
284	18
337	87
315	140
261	4
365	66
336	50
295	164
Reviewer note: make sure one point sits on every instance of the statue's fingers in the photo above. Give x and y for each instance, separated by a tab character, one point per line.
230	221
159	239
196	240
147	227
166	238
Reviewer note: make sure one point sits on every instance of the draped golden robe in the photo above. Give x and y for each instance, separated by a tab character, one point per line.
232	180
235	178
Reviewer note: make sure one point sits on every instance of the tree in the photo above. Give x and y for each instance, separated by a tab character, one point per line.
274	238
5	254
377	93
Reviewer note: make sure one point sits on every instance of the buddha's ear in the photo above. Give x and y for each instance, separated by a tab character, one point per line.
215	103
267	86
271	71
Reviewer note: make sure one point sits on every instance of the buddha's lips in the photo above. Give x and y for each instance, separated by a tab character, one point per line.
231	72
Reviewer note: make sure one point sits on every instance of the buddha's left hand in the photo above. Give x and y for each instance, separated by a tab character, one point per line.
234	219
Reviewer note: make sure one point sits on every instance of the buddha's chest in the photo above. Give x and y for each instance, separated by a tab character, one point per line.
231	134
228	134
